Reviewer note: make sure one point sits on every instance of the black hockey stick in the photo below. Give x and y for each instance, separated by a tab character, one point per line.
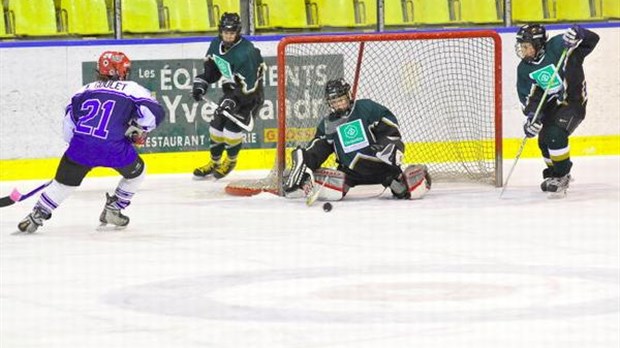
16	196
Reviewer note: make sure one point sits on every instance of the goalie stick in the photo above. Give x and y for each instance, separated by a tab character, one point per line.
314	193
16	196
536	114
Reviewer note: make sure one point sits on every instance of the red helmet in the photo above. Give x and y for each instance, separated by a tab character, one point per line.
114	64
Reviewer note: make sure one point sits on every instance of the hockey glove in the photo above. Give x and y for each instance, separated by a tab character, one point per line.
200	88
136	135
573	36
226	105
531	129
299	171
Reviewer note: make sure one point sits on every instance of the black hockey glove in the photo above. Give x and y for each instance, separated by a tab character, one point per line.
530	128
226	105
200	88
299	171
573	36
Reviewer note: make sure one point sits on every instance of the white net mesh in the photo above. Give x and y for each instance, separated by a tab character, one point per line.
441	87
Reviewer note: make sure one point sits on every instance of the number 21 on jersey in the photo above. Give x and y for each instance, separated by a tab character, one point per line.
94	108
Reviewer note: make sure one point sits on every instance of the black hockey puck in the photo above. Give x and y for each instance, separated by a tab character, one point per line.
327	207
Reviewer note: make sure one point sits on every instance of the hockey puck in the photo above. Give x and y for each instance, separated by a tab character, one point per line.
327	207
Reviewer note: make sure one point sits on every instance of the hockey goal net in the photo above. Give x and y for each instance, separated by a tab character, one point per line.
444	88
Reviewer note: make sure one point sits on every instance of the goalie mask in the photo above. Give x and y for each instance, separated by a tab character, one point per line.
338	97
230	29
531	40
114	65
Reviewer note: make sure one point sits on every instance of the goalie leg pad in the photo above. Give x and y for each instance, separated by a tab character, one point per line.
418	180
413	183
332	182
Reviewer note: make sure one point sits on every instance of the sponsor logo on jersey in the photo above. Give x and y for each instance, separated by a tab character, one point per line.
224	67
352	136
545	78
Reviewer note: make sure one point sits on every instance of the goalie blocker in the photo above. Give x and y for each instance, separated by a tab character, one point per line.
413	183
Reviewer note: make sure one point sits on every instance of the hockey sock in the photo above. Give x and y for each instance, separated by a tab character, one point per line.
233	152
234	142
216	138
54	195
127	188
561	161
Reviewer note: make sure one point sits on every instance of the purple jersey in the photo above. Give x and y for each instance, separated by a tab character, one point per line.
98	117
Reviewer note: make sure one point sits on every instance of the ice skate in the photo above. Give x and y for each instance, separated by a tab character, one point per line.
111	214
557	186
547	176
224	169
207	169
544	186
34	220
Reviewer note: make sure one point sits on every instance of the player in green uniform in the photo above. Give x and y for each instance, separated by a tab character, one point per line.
565	105
240	66
366	140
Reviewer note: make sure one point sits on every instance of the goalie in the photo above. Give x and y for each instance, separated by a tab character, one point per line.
366	140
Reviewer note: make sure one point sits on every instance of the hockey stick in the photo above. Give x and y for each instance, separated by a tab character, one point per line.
534	119
16	196
314	193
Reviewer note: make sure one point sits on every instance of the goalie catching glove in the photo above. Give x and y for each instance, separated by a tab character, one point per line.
299	172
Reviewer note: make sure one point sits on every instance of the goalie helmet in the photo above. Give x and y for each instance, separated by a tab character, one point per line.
114	65
534	34
230	22
334	91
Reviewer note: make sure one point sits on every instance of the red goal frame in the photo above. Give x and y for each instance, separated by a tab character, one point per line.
362	38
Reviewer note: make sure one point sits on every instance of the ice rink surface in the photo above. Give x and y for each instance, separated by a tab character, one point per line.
198	268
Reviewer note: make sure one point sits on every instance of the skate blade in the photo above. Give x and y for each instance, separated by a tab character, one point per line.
22	233
203	178
556	195
103	227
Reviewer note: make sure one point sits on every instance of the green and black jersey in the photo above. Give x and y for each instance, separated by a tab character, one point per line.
241	68
351	137
568	86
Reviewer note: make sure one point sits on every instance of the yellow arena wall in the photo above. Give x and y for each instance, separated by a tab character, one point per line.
185	162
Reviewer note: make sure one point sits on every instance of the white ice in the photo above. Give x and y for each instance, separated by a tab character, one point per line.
198	268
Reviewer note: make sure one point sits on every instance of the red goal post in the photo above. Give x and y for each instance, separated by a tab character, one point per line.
444	87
